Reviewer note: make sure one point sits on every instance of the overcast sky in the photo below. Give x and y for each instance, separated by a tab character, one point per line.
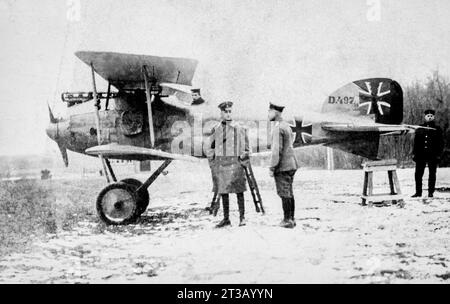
249	51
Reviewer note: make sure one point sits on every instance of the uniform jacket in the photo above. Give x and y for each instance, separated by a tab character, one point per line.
213	168
199	101
228	144
428	144
283	156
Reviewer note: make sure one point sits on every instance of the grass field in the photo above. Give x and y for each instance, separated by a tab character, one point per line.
32	209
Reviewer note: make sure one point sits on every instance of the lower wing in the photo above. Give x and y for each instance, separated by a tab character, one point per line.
136	153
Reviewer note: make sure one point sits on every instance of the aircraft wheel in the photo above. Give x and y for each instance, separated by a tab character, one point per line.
143	195
117	204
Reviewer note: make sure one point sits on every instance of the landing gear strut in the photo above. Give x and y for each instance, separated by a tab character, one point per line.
123	202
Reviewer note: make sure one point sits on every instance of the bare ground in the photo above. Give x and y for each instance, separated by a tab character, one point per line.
336	239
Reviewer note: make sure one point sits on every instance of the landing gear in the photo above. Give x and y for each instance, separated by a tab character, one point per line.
143	196
123	202
117	204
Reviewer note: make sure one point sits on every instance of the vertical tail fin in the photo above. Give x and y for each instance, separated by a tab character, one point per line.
380	99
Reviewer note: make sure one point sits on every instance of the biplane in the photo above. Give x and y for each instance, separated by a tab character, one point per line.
149	117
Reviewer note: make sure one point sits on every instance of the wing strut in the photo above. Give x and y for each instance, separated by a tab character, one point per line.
107	96
150	99
97	119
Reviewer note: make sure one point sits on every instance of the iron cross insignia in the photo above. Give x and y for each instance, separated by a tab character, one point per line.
305	131
373	99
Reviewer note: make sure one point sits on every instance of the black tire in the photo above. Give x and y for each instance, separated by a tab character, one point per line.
143	196
117	204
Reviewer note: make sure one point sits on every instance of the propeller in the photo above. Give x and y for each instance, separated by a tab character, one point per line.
52	117
63	150
53	132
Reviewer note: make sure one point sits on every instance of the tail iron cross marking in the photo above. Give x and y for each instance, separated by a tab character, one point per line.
373	100
305	131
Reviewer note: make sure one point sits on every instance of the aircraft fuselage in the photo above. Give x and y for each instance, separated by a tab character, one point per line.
186	132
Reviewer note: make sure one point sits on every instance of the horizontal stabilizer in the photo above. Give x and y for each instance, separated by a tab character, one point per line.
379	128
136	153
124	71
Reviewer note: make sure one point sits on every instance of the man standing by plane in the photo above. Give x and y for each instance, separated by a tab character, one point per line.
196	97
283	164
229	146
428	147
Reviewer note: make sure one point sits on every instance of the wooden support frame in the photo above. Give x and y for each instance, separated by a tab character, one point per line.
395	194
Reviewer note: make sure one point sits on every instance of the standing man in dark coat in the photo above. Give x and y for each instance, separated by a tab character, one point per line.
428	147
229	146
284	164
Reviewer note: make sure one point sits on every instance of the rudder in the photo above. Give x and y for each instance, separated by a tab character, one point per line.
378	98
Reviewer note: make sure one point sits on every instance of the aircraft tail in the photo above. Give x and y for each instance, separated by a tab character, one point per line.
379	99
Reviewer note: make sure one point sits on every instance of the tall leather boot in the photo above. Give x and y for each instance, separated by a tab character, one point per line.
210	208
215	205
286	222
241	205
226	211
292	211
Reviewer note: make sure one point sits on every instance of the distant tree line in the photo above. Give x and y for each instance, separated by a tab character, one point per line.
434	93
10	165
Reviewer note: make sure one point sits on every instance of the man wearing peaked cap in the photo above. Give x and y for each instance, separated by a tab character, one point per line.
229	145
276	107
283	164
215	202
196	97
428	147
224	105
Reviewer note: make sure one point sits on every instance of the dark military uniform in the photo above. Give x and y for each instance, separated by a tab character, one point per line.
198	101
213	167
284	164
428	147
229	145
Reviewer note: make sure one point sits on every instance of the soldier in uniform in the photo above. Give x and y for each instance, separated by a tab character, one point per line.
229	147
196	97
428	147
284	164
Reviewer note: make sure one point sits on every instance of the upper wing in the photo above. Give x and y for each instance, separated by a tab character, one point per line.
135	153
124	71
